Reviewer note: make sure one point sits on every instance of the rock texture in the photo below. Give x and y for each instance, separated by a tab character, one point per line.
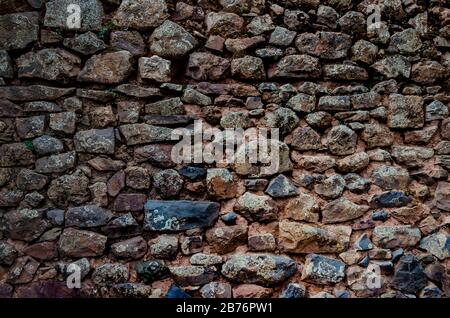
89	109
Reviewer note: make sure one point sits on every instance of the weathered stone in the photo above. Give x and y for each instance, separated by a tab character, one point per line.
390	199
158	155
260	24
192	275
225	239
18	30
412	156
137	178
342	140
141	14
251	291
28	180
377	135
405	111
133	248
248	67
264	269
123	226
224	23
25	224
256	208
110	274
165	247
133	202
8	254
393	66
155	68
395	236
409	275
405	42
6	65
143	133
23	270
345	72
167	183
171	40
303	208
57	14
220	183
71	188
179	215
302	103
87	43
64	122
331	187
166	107
56	163
132	290
296	19
296	66
216	290
242	44
283	118
282	36
30	127
107	68
192	96
87	216
437	244
427	72
305	139
326	45
442	196
389	177
342	210
150	271
322	270
33	92
10	198
435	111
130	41
352	163
297	237
205	66
191	244
364	51
76	243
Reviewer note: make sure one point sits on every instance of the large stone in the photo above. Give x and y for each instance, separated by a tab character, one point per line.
342	140
331	187
326	45
442	196
30	127
171	40
107	275
377	135
342	210
224	23
436	110
220	183
133	248
390	199
386	236
334	103
297	237
167	183
355	162
179	215
393	66
437	244
56	163
154	68
281	187
283	118
225	239
59	12
33	92
143	133
25	224
296	66
248	67
389	177
405	111
305	138
256	208
15	154
18	30
322	270
107	68
345	72
28	180
141	14
427	72
71	188
133	202
302	208
409	275
192	275
87	43
97	141
87	216
412	156
405	42
76	243
8	254
204	66
264	269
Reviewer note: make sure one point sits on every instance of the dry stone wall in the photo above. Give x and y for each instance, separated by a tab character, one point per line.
359	206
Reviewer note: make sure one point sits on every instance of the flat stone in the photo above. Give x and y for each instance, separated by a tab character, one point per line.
143	133
427	72
342	210
141	14
131	41
345	72
56	163
326	45
133	202
76	243
30	127
295	237
33	92
304	207
412	156
322	270
87	43
389	177
18	30
442	196
395	236
97	141
393	66
155	68
57	14
107	68
192	275
204	66
353	163
133	248
390	199
64	122
264	269
220	183
334	103
109	274
256	208
224	23
296	66
87	216
179	215
248	67
225	239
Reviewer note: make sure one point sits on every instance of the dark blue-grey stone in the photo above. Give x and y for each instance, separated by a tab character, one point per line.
56	216
150	271
342	294
380	215
293	291
409	276
364	262
192	173
281	187
363	243
176	292
88	216
171	216
390	199
397	254
431	292
230	218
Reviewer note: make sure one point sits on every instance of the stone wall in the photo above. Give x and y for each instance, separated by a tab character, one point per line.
359	206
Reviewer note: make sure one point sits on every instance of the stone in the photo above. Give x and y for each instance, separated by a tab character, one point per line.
132	290
390	199
389	177
345	72
377	135
411	156
295	237
296	19
427	72
322	270
296	66
293	290
33	92
23	270
243	44
6	65
393	66
317	164
405	42
220	184
87	216
110	274
225	239
264	269
97	141
57	15
77	243
331	187
395	236
283	118
302	103
261	242
107	68
130	41
179	215
229	218
192	275
158	155
155	68
192	96
364	51
251	291
409	275
164	246
30	127
137	178
167	183
436	110
171	40
70	188
260	25
116	183
437	244
405	111
41	251
326	45
141	14
133	248
15	154
133	202
256	208
18	30
281	36
28	180
205	66
8	254
25	224
342	210
191	244
281	187
305	139
248	67
124	225
64	122
87	43
176	292
224	23
342	140
143	133
353	163
303	208
442	196
106	164
166	107
334	103
216	290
